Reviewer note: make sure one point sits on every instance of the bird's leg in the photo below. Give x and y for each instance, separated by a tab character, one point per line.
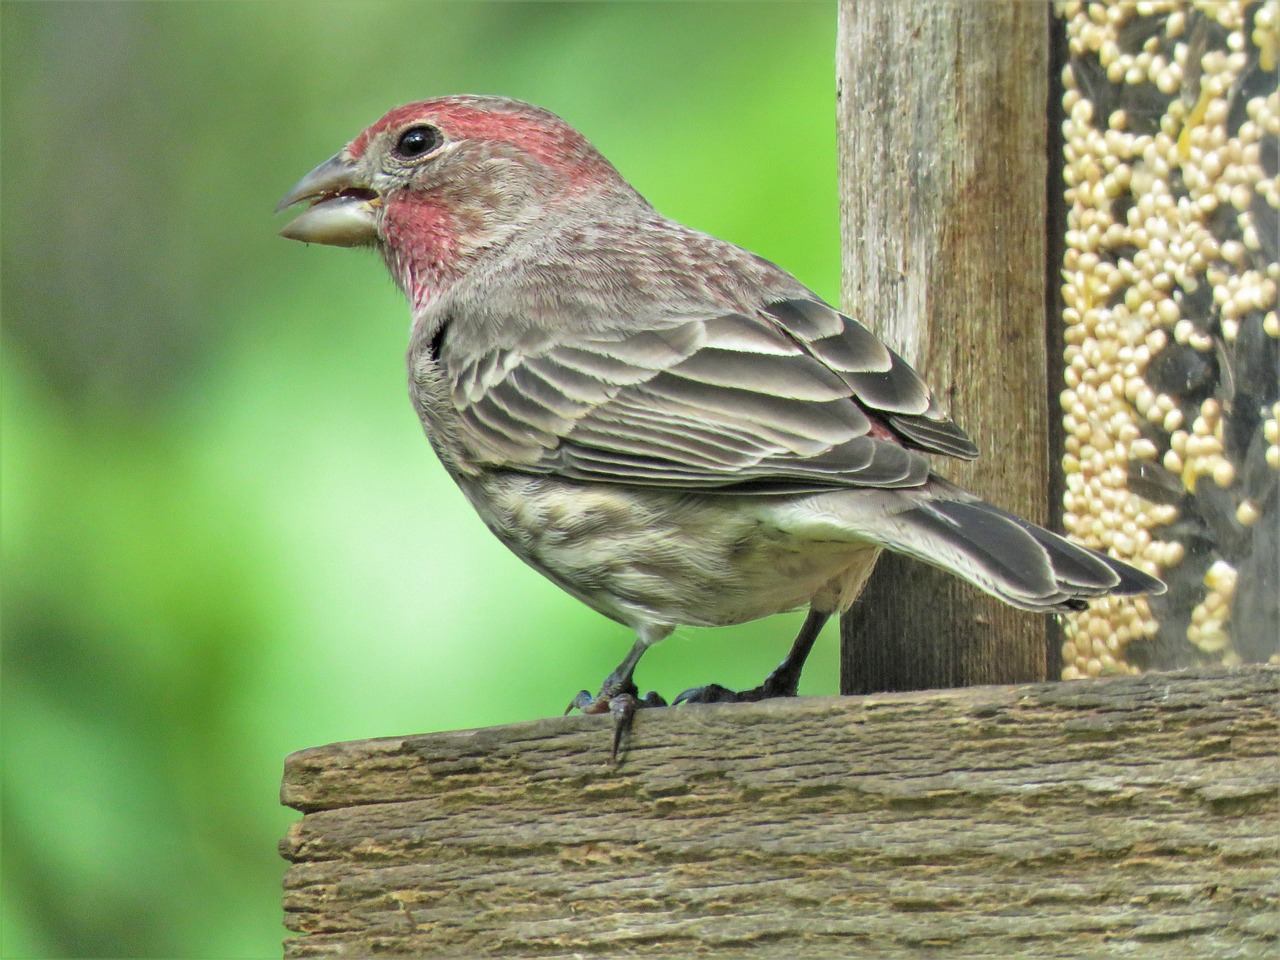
619	695
783	682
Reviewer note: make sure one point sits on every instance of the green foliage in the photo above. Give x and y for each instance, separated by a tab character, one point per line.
224	538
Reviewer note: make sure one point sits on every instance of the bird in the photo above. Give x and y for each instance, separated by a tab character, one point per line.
672	429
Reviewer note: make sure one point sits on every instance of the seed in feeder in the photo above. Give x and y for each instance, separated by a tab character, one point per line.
1224	474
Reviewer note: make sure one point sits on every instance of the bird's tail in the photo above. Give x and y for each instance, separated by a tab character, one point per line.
1021	563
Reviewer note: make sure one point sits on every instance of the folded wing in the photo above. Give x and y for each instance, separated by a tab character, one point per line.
795	397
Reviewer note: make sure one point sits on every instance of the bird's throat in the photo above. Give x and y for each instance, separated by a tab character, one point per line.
422	246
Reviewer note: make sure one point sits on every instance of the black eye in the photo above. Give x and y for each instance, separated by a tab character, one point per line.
417	141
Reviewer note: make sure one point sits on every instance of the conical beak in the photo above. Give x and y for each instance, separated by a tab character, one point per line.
344	208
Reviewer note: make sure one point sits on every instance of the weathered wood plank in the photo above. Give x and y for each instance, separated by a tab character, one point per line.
1130	817
942	168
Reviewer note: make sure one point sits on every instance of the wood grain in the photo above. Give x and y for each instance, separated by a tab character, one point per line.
942	166
1131	817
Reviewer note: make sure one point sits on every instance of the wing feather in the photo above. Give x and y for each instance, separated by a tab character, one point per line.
796	397
799	378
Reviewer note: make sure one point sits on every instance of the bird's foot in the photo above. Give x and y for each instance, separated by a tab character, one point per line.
613	692
714	693
783	682
621	699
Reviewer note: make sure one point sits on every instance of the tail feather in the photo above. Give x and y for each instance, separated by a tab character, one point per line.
1021	563
1131	579
985	548
946	526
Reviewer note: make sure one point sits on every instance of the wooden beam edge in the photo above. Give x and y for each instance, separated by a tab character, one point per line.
398	768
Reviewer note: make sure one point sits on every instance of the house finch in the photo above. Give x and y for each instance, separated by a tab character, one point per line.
672	429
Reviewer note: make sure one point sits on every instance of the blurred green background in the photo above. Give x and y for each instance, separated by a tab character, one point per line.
224	537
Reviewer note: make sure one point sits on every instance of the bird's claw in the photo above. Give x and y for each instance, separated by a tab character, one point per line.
621	701
585	703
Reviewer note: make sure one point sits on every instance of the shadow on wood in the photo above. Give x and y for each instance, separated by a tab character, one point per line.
1133	816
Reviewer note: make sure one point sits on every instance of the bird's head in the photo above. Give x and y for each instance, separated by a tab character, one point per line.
434	184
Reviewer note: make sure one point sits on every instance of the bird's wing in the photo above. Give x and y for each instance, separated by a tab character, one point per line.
794	397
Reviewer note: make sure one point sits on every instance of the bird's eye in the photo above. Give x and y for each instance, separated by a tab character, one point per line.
417	142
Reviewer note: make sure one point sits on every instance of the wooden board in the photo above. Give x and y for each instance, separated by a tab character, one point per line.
1132	816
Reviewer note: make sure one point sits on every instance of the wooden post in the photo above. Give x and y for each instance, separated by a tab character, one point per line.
942	178
1128	817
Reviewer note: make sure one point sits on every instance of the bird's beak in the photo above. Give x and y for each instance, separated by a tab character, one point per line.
343	211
